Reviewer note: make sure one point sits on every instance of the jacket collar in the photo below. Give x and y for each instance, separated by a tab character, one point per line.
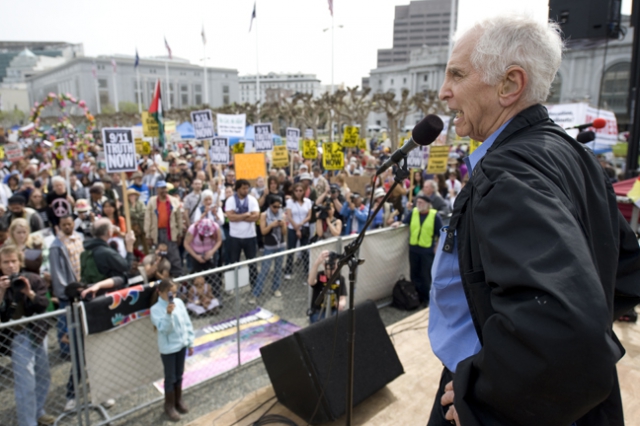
526	118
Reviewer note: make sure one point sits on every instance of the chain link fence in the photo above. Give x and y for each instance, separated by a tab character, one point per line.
235	310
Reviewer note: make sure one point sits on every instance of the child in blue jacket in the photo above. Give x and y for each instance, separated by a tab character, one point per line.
175	337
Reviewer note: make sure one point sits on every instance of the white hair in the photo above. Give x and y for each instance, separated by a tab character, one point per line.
58	179
504	41
207	193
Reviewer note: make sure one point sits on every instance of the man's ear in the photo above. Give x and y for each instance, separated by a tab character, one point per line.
513	85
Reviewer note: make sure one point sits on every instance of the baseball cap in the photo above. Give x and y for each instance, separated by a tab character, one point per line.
161	184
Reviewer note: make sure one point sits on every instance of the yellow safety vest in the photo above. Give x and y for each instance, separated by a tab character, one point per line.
422	236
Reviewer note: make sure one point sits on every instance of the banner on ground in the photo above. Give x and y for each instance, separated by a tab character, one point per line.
350	137
280	157
119	150
293	139
332	156
202	124
438	157
570	115
309	149
263	141
13	152
250	166
219	151
231	125
150	126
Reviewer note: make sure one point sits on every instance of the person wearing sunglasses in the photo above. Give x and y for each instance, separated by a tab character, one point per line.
273	227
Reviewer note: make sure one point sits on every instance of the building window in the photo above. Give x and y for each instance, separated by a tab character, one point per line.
102	83
425	77
137	90
197	94
404	80
225	89
184	95
554	91
615	90
391	81
225	99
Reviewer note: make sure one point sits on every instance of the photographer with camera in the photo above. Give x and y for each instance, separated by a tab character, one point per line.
354	214
327	225
24	294
332	193
318	281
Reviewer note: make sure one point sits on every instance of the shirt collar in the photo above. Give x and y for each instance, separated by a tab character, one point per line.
480	152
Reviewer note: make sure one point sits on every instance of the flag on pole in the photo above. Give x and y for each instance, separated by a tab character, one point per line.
114	65
253	16
137	62
331	7
155	110
168	48
94	71
204	38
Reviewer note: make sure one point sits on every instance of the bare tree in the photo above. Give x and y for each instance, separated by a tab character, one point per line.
356	107
312	112
395	110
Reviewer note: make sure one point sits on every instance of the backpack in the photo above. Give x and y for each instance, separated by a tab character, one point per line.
405	295
89	269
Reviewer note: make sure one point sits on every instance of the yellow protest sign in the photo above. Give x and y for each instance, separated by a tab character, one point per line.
149	126
473	145
309	149
238	148
332	156
1	153
170	127
438	156
250	166
143	147
362	144
350	137
280	157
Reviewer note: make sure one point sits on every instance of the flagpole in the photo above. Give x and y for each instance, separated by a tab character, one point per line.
206	89
95	79
139	92
115	90
168	92
257	70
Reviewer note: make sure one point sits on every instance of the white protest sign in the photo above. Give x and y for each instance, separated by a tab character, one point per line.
293	139
415	157
202	124
219	151
119	150
13	152
263	141
308	133
570	115
231	125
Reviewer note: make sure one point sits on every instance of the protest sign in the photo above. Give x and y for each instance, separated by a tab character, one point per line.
438	156
309	149
150	126
362	144
415	157
231	125
473	145
1	153
119	150
280	157
570	115
293	139
143	147
219	152
263	140
350	137
238	148
202	124
332	156
13	151
308	133
250	166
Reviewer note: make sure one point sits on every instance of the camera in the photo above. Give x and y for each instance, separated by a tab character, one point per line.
331	261
17	284
162	253
322	210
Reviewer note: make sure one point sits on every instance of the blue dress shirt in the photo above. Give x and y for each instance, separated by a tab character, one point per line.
451	331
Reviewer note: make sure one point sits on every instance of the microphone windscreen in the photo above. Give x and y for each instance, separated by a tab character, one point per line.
427	130
599	123
586	137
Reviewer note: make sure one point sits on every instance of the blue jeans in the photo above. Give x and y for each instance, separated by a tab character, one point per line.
292	240
173	369
264	271
61	327
31	378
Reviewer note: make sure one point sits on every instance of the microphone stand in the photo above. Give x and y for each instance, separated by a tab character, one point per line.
349	258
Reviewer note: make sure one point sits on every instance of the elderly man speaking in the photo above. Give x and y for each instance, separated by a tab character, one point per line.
545	262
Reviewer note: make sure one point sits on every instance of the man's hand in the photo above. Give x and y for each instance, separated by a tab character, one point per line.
447	399
4	284
129	239
89	291
27	288
409	205
171	307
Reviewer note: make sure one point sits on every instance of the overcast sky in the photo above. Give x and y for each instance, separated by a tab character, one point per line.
290	32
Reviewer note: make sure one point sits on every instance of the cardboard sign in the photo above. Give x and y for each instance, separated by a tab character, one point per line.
219	152
280	157
438	156
202	124
293	139
150	126
263	141
231	125
332	156
309	149
357	184
238	148
250	166
143	147
13	152
415	157
119	150
350	137
473	145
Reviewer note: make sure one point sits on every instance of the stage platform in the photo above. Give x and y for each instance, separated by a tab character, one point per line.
408	400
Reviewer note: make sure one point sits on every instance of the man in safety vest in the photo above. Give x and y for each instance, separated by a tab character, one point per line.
424	226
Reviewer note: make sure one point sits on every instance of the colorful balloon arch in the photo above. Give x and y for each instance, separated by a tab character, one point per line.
63	129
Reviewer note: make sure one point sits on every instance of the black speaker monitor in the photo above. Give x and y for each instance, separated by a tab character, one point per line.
301	365
586	19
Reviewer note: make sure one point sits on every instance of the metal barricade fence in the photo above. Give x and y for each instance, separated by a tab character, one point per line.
232	309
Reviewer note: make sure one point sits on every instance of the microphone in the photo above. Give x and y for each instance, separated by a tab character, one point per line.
598	123
586	137
423	134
